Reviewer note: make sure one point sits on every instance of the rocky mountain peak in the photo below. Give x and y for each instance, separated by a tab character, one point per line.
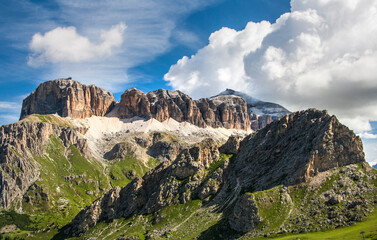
295	148
68	98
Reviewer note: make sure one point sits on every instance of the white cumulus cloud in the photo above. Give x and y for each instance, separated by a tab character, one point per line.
64	44
322	54
220	64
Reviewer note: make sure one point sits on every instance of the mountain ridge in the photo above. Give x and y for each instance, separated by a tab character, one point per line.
229	109
161	165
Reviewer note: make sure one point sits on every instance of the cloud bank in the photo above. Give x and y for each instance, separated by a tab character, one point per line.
322	54
64	44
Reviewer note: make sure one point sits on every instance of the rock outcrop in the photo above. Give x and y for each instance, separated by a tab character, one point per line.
157	189
223	111
295	148
19	144
244	216
68	98
231	146
120	151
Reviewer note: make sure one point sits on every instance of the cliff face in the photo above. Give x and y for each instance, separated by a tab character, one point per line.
295	148
20	143
223	111
68	98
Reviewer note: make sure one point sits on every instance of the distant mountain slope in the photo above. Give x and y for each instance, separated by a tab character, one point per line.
74	143
257	106
375	166
261	113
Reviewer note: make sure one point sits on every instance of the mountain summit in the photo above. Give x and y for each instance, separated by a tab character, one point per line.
68	98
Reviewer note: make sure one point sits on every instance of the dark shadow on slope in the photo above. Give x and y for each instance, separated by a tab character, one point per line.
60	235
220	230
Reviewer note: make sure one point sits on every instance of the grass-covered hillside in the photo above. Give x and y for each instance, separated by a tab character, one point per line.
67	182
294	212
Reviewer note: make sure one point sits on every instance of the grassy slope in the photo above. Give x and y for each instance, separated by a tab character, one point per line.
177	221
67	197
190	221
369	226
190	218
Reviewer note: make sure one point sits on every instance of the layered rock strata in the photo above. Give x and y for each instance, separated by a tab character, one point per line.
222	111
68	98
260	113
295	148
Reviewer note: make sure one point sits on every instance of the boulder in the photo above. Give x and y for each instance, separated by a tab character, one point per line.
244	216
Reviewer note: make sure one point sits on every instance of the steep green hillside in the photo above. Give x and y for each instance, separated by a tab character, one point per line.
67	183
286	211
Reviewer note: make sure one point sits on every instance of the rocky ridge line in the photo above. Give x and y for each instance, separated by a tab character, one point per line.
69	98
223	111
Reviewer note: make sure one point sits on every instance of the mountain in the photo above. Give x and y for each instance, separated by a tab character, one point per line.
65	151
261	113
160	165
300	173
375	166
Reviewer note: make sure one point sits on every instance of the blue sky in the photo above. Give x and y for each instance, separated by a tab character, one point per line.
298	53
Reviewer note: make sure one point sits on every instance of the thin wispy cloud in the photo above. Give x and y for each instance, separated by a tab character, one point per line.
90	39
367	135
9	111
9	106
